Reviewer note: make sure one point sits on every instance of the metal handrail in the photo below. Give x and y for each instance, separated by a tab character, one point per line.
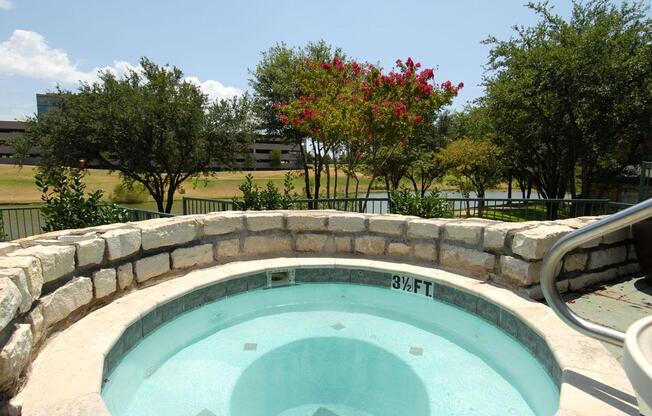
554	256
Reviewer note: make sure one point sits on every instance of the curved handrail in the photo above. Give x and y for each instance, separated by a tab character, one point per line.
570	241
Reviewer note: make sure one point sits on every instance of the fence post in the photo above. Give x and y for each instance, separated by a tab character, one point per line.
184	209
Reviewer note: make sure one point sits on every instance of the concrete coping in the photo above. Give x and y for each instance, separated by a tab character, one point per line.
66	377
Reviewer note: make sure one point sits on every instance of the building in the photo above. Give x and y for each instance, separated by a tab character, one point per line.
8	131
47	102
263	149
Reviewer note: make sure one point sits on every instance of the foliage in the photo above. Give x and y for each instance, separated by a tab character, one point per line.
407	202
66	205
128	193
275	159
475	161
370	114
151	126
274	80
269	198
576	92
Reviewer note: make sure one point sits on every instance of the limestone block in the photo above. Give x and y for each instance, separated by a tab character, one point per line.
399	250
151	266
607	257
227	249
125	275
35	320
19	278
306	221
223	223
343	244
535	291
62	302
314	243
628	269
10	300
425	251
387	224
589	279
90	252
617	236
31	266
257	244
524	273
497	236
166	232
56	261
575	262
472	261
346	223
105	282
192	256
263	221
425	228
464	231
122	242
370	245
533	243
6	248
15	355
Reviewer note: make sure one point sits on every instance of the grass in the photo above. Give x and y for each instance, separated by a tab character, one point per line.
17	184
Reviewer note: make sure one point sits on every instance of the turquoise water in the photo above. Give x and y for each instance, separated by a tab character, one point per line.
329	350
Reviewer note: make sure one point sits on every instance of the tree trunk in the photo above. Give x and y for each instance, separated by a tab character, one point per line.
306	171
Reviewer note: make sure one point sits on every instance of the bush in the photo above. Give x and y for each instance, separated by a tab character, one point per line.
275	159
253	199
405	202
66	206
129	193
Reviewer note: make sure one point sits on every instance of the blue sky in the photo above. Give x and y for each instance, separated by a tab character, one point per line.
43	43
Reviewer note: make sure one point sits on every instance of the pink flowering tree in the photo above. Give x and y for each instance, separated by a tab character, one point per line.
362	114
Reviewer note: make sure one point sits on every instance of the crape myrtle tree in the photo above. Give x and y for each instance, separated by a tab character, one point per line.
273	81
374	116
150	125
576	93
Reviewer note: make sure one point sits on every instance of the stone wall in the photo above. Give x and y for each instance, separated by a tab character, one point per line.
46	281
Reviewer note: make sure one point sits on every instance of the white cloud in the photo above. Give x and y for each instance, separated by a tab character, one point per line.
6	5
27	54
214	89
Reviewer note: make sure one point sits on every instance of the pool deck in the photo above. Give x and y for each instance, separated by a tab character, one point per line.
617	304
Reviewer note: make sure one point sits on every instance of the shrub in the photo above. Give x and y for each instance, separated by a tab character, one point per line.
275	158
66	205
253	199
405	202
129	193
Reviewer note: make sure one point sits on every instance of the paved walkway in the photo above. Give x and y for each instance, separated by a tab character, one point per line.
616	304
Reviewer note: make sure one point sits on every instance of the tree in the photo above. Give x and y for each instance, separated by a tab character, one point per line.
474	161
374	116
150	125
274	81
574	92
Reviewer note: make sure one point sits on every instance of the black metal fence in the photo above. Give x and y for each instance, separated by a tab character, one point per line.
24	221
503	209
